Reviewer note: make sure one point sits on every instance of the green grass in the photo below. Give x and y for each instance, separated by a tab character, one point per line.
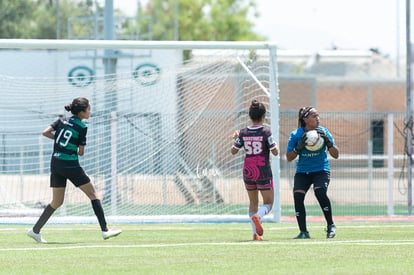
359	248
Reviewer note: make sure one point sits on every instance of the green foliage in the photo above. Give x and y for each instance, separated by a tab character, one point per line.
206	20
38	18
15	18
230	21
199	20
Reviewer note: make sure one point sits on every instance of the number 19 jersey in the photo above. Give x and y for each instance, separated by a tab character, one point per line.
69	135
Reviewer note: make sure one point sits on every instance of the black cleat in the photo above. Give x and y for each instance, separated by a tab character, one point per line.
303	235
331	231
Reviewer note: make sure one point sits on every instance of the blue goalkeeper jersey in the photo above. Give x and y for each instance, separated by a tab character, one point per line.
310	161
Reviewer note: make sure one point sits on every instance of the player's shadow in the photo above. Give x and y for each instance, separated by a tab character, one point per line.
56	242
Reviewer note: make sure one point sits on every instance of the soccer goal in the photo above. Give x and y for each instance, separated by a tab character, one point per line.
160	133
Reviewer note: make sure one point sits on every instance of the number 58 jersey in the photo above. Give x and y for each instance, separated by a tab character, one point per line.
257	142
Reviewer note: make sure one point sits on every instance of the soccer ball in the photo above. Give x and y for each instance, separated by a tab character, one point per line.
313	142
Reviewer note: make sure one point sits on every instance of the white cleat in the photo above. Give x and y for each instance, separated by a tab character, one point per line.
111	233
37	237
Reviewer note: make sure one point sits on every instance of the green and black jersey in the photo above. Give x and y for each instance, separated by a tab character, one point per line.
69	135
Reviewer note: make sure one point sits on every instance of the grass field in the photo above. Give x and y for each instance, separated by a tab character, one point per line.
358	248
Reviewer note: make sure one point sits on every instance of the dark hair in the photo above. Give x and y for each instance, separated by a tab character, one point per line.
78	105
256	110
304	112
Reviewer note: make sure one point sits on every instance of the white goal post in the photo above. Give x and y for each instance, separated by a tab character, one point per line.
159	138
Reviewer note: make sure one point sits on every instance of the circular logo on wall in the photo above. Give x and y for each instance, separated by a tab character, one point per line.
147	74
81	76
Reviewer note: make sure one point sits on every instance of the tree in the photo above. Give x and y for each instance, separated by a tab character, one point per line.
220	20
230	21
45	18
15	18
38	18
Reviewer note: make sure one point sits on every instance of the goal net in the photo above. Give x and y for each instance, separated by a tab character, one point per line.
160	133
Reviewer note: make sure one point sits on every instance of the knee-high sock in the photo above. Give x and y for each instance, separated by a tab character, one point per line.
251	222
263	210
43	218
325	204
300	210
99	212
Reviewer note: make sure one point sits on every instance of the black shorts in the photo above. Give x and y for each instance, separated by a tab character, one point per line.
259	185
303	181
61	172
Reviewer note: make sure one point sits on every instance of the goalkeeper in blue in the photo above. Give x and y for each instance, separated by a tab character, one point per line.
312	168
258	142
69	143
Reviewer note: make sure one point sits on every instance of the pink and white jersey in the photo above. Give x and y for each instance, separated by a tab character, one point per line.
257	143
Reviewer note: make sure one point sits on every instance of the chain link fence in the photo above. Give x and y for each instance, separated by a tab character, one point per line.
367	119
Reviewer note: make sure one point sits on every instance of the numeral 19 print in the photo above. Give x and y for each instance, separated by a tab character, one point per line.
64	138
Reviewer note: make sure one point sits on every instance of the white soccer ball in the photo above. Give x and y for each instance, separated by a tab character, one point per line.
313	142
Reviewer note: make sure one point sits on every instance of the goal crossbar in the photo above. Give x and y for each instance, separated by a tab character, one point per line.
123	44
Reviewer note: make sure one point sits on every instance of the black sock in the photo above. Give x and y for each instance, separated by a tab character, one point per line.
325	204
43	219
299	199
99	212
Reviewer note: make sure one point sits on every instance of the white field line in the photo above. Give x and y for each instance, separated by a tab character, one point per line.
159	227
364	242
263	243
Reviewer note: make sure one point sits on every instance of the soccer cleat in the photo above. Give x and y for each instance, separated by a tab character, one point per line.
331	231
257	224
37	237
256	237
111	233
303	235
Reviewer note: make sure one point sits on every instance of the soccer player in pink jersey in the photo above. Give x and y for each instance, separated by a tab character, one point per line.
258	142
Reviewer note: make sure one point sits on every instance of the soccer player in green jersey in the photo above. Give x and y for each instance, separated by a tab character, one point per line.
69	143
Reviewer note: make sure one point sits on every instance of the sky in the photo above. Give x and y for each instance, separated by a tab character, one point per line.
320	24
314	25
